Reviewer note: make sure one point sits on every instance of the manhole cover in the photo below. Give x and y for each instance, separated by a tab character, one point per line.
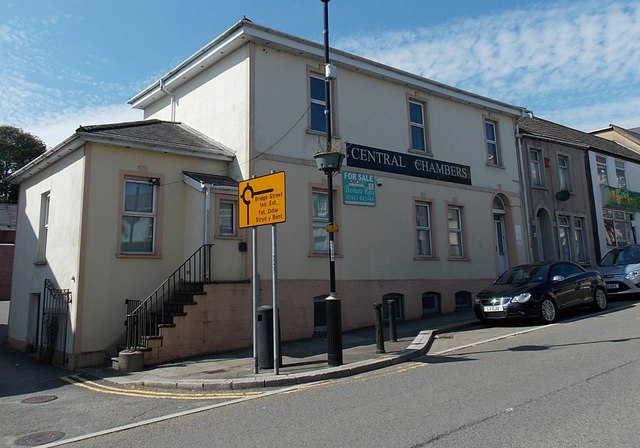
39	399
40	438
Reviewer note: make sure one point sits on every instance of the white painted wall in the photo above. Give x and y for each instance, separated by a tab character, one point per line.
64	181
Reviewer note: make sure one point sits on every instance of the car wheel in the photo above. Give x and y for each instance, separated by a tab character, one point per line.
548	311
599	300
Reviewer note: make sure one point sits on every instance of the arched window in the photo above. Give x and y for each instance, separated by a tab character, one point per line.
430	303
398	305
463	299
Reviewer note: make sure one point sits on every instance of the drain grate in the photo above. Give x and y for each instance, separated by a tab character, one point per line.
39	399
40	438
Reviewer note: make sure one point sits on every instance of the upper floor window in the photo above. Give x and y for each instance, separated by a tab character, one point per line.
601	164
564	173
227	218
318	99
535	168
423	229
417	126
620	175
491	136
43	233
138	217
456	246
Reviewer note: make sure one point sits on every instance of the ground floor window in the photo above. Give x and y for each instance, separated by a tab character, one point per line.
572	238
619	228
430	303
227	217
463	299
398	306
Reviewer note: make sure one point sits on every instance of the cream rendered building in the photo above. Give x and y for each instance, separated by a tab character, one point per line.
428	203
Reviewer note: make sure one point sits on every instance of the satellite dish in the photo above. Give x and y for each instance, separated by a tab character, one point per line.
563	195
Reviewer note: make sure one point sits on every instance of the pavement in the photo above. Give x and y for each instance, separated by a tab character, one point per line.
303	361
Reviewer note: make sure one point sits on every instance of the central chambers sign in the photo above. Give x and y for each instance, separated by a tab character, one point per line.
394	162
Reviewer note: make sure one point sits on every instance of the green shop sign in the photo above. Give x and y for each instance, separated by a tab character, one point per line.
622	198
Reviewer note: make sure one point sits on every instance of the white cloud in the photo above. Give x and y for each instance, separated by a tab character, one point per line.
53	129
530	57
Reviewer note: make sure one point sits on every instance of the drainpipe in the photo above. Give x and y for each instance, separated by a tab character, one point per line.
172	97
207	211
525	191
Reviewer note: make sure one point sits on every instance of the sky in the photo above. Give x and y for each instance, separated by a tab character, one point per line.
71	63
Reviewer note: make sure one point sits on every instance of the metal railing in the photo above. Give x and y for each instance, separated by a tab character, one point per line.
55	317
144	318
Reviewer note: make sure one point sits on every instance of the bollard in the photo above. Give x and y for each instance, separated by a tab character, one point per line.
379	330
393	336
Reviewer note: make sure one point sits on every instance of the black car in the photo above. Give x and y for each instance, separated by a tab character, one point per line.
539	291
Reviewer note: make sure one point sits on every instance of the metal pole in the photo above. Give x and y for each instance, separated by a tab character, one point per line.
393	335
274	290
256	296
379	330
333	303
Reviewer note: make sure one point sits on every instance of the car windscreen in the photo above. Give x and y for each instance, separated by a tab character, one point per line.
629	255
523	274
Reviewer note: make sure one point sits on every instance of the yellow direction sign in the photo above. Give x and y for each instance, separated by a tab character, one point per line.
261	200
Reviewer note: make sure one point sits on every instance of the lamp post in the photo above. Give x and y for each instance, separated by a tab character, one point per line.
334	318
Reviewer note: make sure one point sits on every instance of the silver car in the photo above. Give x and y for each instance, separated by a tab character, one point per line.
621	270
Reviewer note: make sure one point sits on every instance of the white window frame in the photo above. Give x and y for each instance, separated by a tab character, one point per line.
43	231
601	167
317	102
140	214
424	231
564	237
536	165
493	156
222	227
579	239
619	228
621	175
319	223
564	172
419	126
455	229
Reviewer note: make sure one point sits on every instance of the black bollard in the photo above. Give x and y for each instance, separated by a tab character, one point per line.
379	330
393	336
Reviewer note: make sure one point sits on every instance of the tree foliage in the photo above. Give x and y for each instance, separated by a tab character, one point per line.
17	148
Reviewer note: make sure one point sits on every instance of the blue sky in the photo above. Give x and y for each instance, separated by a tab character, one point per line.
66	63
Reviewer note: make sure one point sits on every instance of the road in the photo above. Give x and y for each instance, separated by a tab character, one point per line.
574	383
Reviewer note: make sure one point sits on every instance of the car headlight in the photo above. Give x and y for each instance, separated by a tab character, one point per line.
633	275
477	300
521	298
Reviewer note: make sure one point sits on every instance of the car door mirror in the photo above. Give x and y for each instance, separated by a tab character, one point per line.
557	278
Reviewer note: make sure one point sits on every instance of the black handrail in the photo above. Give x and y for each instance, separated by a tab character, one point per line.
144	318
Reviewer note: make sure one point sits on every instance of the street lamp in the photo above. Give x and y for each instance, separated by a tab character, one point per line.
331	167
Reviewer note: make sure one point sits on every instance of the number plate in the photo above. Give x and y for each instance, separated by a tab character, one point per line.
612	286
493	309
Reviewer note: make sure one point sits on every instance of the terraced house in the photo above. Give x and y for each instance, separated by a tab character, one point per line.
428	203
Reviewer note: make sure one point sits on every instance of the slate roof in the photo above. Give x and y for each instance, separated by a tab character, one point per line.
537	127
151	135
212	179
157	133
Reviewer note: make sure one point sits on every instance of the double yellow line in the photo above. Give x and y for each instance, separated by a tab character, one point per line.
101	388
